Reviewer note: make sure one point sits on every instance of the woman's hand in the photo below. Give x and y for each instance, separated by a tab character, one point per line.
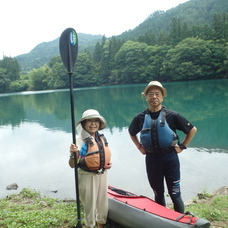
73	148
108	166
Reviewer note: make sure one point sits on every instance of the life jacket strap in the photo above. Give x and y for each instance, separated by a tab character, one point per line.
98	172
161	151
162	123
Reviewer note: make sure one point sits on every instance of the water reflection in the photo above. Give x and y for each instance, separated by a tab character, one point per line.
205	104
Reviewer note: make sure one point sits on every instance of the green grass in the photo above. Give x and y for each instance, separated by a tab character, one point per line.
30	209
211	208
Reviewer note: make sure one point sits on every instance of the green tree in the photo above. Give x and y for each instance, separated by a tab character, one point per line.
185	33
19	85
220	27
97	53
54	60
225	26
39	78
162	39
84	71
154	61
194	59
106	64
217	27
224	66
58	77
12	68
4	81
114	47
131	61
175	35
148	38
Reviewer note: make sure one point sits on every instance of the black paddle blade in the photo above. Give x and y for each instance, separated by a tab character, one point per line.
68	48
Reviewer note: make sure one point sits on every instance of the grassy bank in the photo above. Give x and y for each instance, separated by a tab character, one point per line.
30	209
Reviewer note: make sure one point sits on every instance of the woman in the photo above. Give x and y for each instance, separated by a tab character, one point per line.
93	161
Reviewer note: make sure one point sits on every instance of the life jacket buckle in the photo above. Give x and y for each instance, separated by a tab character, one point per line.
100	171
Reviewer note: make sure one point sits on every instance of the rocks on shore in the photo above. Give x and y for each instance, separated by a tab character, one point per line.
223	191
13	186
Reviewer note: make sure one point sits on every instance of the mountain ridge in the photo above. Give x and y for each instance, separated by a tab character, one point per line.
43	52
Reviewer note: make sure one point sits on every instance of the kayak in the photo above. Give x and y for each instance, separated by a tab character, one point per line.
134	211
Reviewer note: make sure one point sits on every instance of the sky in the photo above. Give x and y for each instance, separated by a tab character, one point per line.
27	23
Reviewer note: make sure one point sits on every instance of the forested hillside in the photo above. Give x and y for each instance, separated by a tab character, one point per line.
191	13
189	42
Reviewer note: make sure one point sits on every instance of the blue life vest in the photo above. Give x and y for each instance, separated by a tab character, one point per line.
156	135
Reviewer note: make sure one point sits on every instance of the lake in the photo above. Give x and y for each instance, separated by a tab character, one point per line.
35	135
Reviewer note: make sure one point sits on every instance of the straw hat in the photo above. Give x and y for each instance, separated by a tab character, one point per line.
155	83
92	114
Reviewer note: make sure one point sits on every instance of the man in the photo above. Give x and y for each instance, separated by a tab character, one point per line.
159	142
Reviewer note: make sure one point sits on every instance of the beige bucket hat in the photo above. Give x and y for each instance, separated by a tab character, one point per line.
155	83
92	114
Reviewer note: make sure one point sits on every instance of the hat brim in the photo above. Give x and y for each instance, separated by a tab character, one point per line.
101	118
164	92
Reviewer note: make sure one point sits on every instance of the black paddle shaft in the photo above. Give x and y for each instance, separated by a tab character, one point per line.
68	47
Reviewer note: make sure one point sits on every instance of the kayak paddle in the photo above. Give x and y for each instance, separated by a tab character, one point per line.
68	47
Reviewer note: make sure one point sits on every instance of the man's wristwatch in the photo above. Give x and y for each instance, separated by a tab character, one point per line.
182	146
